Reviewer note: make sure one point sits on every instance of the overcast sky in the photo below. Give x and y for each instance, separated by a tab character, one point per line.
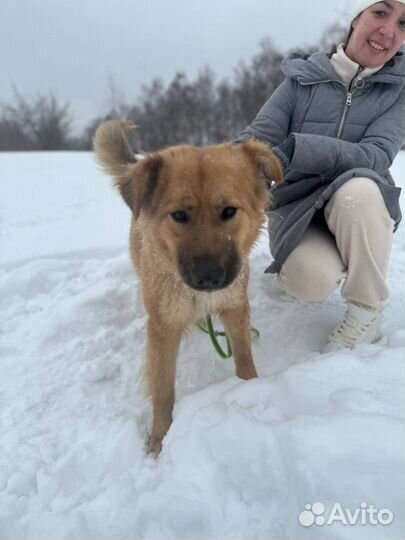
75	47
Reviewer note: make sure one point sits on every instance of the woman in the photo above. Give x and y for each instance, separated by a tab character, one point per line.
337	124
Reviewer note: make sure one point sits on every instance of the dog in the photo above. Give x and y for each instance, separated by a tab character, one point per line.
196	214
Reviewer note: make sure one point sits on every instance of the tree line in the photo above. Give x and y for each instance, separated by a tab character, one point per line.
200	112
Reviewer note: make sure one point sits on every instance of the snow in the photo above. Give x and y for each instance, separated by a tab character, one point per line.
242	458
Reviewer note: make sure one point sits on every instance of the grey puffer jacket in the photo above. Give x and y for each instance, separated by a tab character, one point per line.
326	135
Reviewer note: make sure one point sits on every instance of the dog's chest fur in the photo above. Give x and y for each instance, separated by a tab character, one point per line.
180	304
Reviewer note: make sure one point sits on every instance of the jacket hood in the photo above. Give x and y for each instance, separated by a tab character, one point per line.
317	67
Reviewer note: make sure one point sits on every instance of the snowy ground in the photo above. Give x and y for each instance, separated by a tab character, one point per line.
242	459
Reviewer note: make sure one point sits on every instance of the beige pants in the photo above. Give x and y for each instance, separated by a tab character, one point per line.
355	247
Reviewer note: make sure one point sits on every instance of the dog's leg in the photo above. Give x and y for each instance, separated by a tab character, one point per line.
162	348
237	326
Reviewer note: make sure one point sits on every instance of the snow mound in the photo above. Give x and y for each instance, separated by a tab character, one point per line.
243	459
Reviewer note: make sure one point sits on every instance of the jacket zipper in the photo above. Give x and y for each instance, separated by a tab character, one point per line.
349	95
348	103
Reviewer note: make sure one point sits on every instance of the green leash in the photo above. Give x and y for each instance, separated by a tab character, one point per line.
214	334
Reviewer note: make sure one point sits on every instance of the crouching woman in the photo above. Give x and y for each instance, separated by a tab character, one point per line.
337	122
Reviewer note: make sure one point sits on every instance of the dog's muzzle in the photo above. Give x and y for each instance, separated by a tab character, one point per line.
205	273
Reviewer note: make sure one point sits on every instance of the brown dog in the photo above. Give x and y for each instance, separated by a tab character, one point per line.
197	212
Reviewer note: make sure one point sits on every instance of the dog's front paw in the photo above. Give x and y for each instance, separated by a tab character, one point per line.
154	446
247	373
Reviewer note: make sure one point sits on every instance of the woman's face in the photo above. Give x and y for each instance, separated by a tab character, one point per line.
377	34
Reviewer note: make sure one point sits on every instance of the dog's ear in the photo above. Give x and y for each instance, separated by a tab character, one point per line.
267	164
138	187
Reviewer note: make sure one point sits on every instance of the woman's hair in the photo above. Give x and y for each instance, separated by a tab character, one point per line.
345	42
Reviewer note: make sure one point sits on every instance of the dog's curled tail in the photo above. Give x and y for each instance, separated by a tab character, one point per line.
112	148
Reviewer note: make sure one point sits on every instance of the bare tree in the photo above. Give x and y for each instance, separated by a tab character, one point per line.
226	108
43	122
11	136
257	81
333	34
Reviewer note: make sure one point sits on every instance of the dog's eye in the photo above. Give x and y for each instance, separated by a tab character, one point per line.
228	213
180	216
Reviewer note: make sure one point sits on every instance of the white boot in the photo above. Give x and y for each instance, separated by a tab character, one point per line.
360	325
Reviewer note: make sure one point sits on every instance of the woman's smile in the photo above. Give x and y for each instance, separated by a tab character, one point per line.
376	46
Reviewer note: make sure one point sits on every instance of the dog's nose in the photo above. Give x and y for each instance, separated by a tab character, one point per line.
207	275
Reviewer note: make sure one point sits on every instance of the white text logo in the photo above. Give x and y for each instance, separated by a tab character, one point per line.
367	514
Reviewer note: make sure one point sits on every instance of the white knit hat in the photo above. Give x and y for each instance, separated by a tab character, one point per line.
361	5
